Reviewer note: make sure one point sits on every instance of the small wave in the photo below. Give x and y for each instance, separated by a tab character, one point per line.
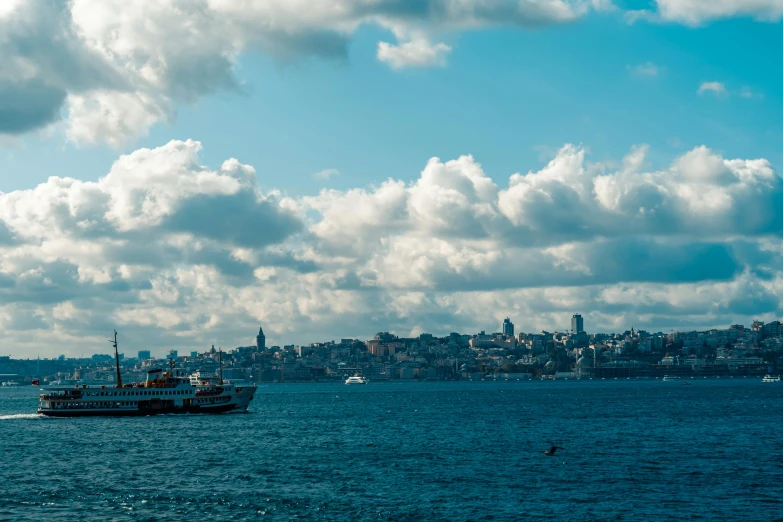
22	416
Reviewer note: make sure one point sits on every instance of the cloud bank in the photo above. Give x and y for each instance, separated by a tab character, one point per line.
697	12
113	68
700	12
174	253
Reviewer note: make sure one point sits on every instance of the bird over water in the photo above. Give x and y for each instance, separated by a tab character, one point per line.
551	451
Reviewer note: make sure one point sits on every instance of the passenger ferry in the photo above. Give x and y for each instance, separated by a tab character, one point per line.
161	392
670	378
770	378
356	379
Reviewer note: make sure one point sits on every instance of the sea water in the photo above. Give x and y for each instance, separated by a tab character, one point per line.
634	450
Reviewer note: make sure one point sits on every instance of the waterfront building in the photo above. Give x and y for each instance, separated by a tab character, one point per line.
577	324
144	355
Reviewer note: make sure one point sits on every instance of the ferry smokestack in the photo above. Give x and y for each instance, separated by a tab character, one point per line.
220	360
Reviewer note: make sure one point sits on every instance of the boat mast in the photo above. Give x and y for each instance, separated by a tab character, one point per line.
220	360
117	359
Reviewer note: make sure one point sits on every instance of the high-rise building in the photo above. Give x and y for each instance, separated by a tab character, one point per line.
144	355
261	340
577	324
508	327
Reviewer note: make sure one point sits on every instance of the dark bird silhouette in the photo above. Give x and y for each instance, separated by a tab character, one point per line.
551	451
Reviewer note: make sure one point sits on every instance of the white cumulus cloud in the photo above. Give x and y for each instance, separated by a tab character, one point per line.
172	251
717	88
416	53
696	12
326	173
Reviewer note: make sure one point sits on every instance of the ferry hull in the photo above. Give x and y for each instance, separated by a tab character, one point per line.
223	408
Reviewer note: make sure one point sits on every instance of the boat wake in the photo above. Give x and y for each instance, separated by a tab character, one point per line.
22	416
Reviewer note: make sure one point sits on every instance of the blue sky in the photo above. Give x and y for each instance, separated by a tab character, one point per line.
645	219
507	96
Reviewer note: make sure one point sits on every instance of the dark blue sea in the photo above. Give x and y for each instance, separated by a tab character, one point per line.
634	450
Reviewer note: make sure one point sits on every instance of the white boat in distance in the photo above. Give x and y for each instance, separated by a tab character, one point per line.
770	378
11	383
356	379
670	378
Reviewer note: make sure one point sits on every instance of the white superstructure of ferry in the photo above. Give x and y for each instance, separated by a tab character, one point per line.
356	379
161	392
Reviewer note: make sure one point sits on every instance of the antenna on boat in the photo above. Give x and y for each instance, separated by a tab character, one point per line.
220	360
116	359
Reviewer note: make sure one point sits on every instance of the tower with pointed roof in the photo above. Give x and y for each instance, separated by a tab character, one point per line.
261	340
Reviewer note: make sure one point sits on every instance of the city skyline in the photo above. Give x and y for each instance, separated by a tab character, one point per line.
183	172
507	328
